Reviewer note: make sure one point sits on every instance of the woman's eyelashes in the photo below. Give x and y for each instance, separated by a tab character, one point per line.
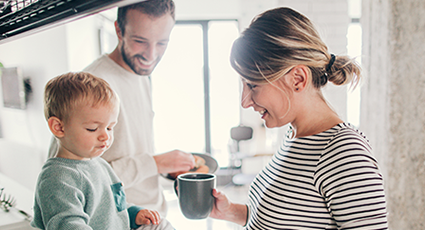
251	86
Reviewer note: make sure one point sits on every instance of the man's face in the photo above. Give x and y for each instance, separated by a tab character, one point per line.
145	40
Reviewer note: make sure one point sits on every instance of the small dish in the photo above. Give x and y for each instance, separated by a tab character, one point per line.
209	161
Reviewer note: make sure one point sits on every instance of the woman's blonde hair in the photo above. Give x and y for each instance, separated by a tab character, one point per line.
281	38
64	93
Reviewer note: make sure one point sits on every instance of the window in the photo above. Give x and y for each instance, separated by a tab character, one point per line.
354	48
195	90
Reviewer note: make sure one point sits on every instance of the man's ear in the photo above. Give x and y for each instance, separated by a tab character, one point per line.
299	78
56	126
118	31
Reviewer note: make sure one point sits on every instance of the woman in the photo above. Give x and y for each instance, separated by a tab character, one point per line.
324	175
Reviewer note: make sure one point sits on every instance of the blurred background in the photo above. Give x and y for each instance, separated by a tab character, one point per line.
197	94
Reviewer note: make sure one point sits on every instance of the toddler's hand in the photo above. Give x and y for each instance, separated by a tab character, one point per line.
146	216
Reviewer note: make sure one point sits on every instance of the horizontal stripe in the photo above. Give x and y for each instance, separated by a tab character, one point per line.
326	181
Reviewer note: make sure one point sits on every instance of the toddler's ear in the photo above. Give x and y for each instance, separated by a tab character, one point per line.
56	126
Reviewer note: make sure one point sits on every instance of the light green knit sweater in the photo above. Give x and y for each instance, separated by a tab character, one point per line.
74	194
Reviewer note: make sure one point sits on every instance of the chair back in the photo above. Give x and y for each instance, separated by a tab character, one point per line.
241	133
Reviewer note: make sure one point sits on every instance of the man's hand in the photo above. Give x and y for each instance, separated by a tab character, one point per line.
174	161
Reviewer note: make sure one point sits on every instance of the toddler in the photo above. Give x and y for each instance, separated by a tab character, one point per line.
78	189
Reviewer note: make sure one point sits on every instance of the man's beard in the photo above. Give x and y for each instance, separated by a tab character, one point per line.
130	61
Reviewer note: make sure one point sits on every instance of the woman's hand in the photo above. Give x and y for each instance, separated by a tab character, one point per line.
225	210
146	216
221	205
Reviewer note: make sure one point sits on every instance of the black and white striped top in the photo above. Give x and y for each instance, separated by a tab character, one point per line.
326	181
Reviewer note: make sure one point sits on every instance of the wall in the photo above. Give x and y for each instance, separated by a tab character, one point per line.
393	114
208	9
40	56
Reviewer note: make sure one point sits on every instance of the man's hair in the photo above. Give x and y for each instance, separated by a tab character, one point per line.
153	8
64	93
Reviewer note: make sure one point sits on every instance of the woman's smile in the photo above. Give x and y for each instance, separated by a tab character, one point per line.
263	113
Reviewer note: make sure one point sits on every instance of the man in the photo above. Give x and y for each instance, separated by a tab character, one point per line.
143	31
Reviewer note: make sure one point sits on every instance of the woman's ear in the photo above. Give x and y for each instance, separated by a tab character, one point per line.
299	78
56	127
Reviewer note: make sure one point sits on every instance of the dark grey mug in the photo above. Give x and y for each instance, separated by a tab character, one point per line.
194	191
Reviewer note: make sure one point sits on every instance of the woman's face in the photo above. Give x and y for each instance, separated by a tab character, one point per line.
270	100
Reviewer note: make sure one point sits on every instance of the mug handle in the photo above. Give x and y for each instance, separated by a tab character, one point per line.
175	187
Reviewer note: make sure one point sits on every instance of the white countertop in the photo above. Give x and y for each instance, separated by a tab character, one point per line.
13	220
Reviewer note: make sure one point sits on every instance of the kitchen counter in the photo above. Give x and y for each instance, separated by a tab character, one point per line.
13	220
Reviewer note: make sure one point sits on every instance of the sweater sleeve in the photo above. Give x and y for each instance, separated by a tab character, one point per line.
59	205
132	213
248	214
349	180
